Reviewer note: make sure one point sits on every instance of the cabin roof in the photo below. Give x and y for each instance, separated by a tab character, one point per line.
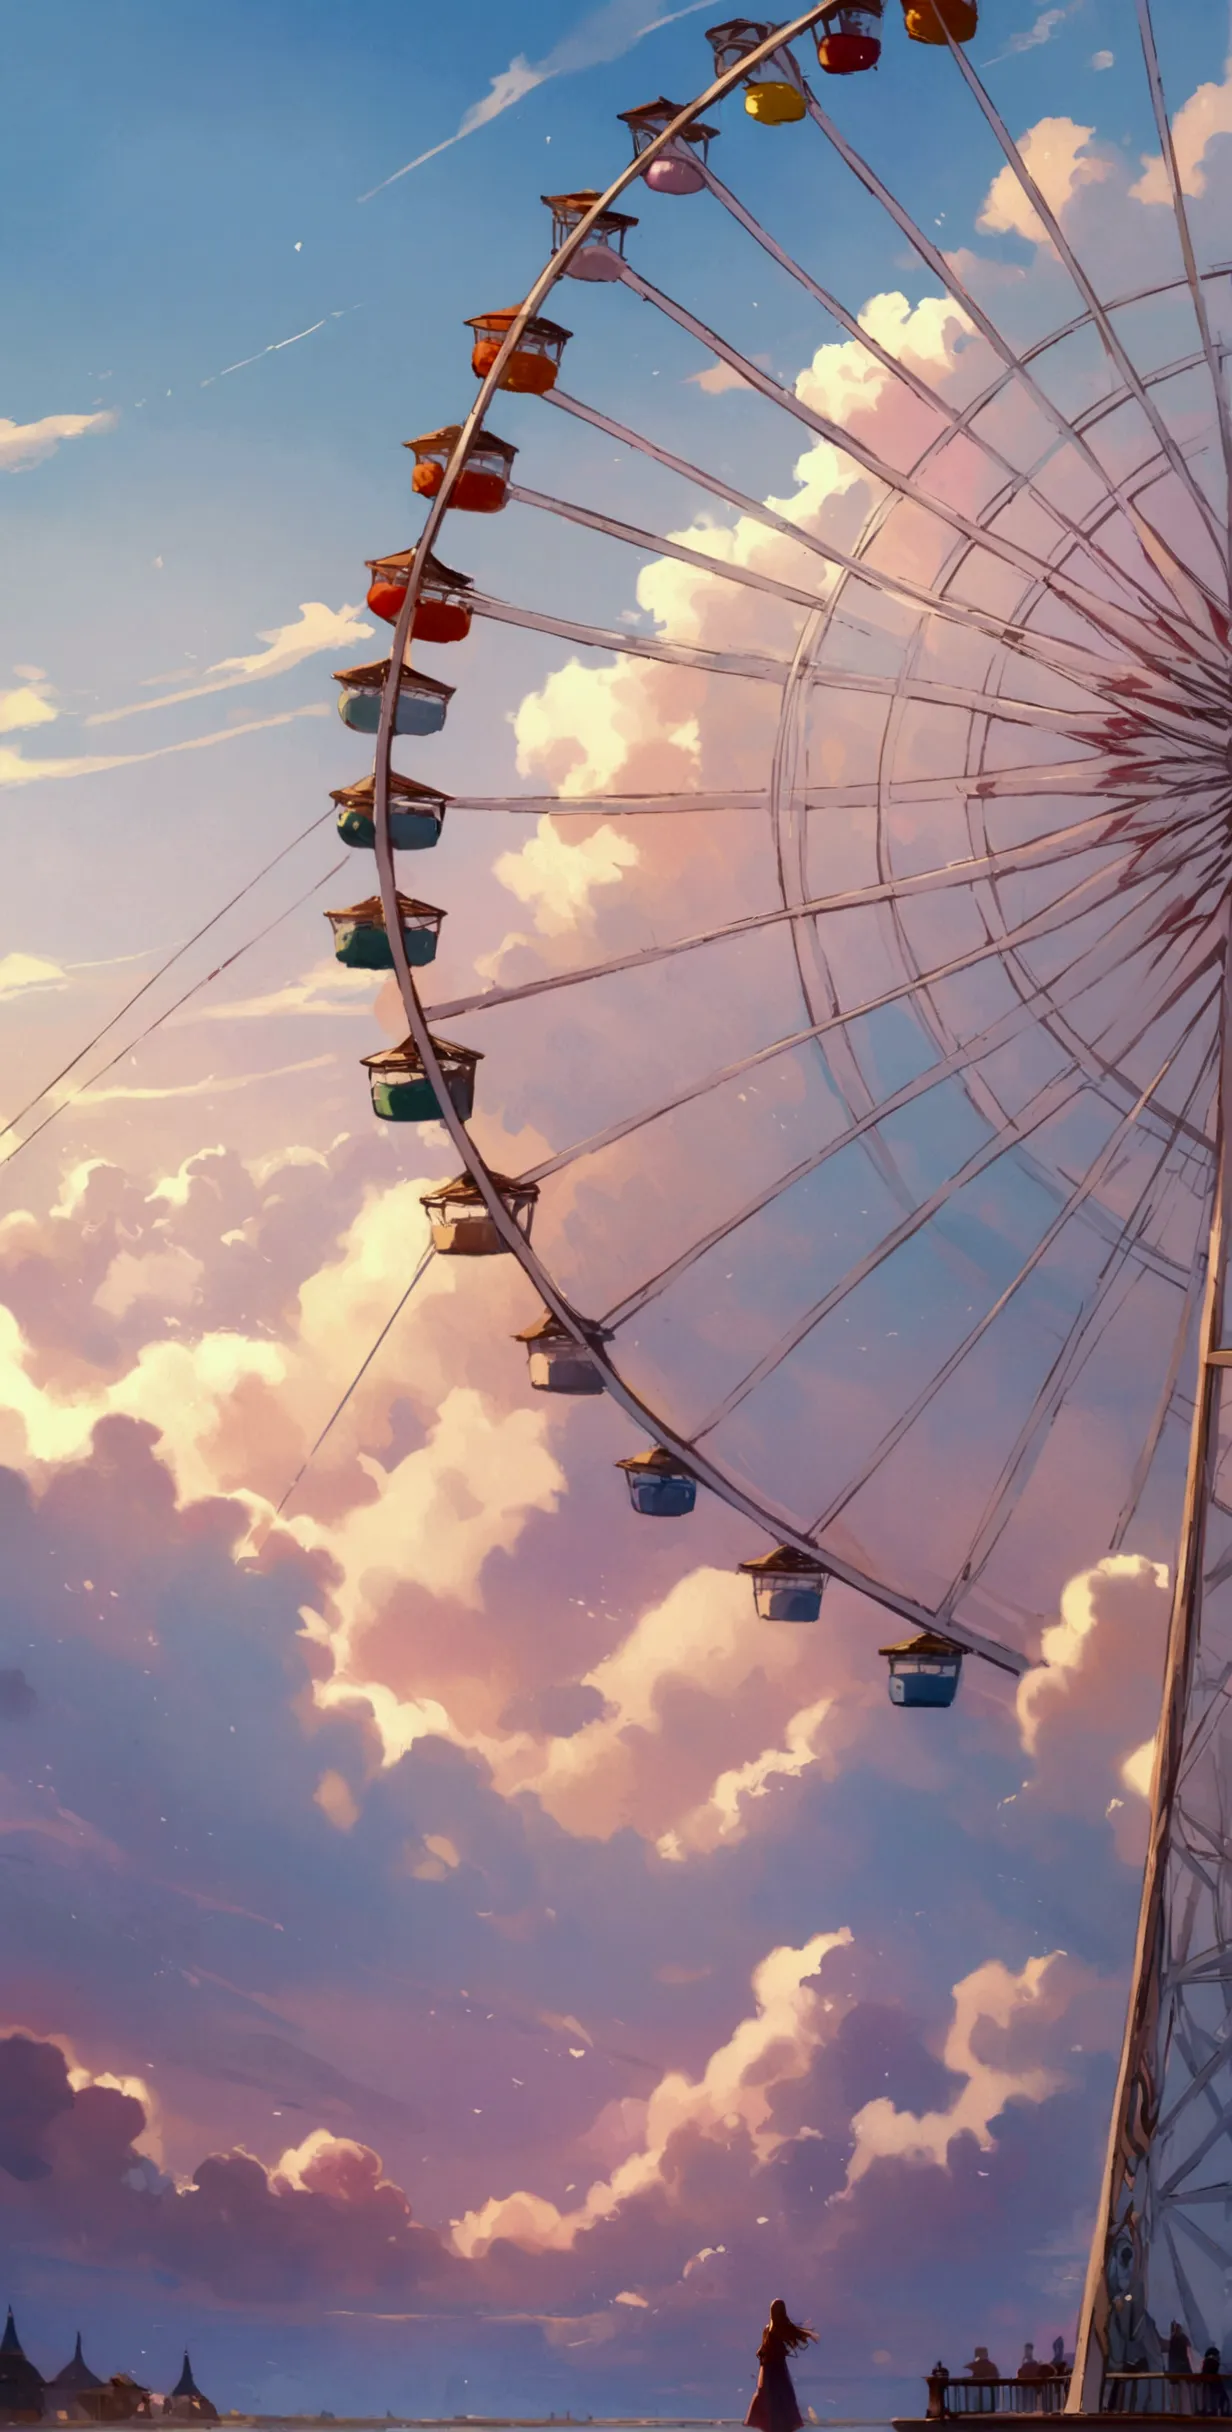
450	435
661	113
660	1463
584	200
786	1561
406	1058
373	910
372	679
400	561
737	29
928	1642
405	789
550	1329
463	1191
536	327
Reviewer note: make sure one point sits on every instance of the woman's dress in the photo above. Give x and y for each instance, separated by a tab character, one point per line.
775	2407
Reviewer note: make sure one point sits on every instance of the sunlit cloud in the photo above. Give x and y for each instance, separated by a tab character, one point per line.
316	628
16	770
23	444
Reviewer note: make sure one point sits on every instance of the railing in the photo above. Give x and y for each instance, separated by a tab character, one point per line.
1164	2394
947	2398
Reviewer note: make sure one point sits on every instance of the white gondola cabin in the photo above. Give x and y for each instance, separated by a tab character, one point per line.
849	37
416	813
675	170
533	365
482	485
660	1486
556	1362
773	91
401	1090
461	1224
442	610
929	20
602	256
361	939
421	704
788	1584
924	1671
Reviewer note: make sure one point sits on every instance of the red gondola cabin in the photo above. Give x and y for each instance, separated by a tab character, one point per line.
535	361
849	37
483	483
442	610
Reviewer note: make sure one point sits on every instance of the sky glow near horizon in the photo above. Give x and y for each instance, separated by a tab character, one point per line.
458	1956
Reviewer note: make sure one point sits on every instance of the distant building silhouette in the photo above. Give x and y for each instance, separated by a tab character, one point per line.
186	2403
21	2383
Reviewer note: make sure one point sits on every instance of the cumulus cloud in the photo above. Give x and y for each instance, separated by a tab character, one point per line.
1056	152
1196	126
23	444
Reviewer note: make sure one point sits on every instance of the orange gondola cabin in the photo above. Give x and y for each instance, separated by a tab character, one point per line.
601	258
361	939
401	1090
675	170
482	485
931	20
532	367
442	610
461	1223
416	813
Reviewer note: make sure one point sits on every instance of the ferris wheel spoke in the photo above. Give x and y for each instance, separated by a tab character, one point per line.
1073	906
973	1051
998	544
611	806
1101	318
1104	830
1041	1109
987	328
1094	1314
1167	148
755	664
1069	659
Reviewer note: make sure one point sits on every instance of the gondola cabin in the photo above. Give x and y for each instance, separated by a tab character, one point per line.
929	20
461	1222
849	38
788	1584
402	1092
442	610
924	1671
675	170
533	365
773	93
602	256
416	813
556	1362
421	704
482	486
660	1487
361	939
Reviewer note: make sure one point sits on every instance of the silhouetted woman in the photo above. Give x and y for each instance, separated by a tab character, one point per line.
775	2406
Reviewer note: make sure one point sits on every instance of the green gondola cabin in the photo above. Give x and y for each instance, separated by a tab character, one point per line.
482	485
401	1090
421	704
461	1222
416	813
361	939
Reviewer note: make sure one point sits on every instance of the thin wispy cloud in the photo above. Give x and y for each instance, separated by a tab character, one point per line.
212	1086
15	769
315	628
278	344
606	34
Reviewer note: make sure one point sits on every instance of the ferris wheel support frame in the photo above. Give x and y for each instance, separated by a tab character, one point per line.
1126	2188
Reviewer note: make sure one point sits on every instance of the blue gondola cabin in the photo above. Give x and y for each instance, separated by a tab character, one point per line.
924	1671
361	939
482	486
556	1362
416	813
660	1486
675	170
788	1584
421	705
601	258
402	1092
461	1223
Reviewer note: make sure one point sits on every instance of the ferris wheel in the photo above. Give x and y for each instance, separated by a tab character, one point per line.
885	1178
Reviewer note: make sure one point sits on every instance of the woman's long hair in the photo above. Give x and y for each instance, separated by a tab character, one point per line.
780	2326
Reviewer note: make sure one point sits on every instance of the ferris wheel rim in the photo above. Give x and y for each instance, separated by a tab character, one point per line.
716	1475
